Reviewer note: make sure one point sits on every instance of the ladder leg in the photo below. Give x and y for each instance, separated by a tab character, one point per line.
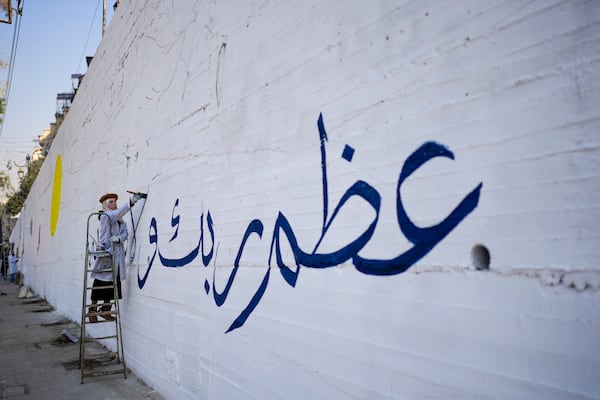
119	334
83	312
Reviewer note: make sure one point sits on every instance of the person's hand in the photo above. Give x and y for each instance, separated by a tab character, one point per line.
135	198
114	239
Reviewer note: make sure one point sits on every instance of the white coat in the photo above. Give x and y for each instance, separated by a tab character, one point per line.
111	224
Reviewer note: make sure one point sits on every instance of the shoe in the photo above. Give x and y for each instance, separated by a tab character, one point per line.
105	313
92	318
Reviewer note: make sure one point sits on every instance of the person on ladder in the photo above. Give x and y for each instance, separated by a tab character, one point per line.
113	234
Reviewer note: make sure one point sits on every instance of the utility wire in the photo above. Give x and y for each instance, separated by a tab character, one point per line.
88	36
13	53
13	57
13	144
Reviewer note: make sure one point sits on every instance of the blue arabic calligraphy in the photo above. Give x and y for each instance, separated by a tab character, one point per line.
422	239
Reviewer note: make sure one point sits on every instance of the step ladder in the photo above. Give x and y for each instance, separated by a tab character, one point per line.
99	366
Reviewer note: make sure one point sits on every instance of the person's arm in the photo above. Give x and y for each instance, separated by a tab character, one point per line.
123	233
116	214
104	237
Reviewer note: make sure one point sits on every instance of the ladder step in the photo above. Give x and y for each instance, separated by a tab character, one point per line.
90	339
100	314
111	302
101	321
99	270
106	337
103	373
99	253
100	287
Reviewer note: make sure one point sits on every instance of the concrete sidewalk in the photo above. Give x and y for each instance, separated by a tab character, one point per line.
37	361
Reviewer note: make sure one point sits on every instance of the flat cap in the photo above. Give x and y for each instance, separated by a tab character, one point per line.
109	196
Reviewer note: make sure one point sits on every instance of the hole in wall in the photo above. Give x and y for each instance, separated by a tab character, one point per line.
480	256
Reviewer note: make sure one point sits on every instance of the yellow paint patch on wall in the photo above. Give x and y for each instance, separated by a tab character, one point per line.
56	189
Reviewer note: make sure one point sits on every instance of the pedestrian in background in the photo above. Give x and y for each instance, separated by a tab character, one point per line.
12	266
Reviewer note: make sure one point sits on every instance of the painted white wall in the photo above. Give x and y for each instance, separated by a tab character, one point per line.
216	105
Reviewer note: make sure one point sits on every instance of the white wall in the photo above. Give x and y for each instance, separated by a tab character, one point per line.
214	105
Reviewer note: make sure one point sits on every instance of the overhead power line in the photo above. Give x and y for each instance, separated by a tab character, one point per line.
88	36
13	57
12	144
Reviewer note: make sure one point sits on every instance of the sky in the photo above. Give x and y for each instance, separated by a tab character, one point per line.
54	38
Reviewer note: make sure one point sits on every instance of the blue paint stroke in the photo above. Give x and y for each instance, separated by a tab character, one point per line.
153	238
174	221
423	239
182	261
348	153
